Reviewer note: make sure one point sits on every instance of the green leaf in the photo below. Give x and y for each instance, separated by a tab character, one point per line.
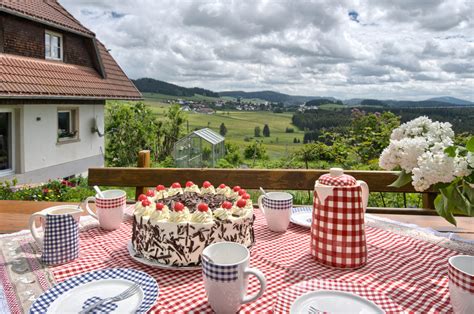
450	151
403	179
460	202
468	191
441	207
470	144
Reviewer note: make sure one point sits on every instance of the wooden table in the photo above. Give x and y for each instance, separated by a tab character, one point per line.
14	216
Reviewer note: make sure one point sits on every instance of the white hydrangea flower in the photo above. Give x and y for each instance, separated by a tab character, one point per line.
418	146
470	159
461	167
433	168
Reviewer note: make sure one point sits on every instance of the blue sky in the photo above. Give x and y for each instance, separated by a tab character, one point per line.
362	48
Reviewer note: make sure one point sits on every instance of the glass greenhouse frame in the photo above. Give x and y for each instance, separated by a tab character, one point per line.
199	149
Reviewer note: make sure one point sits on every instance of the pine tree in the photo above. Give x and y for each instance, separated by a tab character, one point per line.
222	129
266	131
256	131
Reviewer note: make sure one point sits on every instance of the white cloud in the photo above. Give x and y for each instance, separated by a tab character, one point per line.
353	48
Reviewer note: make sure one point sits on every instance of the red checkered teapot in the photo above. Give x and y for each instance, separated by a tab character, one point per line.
337	229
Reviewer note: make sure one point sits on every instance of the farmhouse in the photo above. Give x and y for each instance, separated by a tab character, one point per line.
55	77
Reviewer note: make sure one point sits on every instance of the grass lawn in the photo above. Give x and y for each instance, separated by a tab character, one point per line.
241	124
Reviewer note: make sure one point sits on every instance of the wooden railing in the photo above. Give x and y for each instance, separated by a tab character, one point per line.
271	179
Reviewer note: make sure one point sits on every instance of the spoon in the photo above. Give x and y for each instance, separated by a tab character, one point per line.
208	258
99	192
263	191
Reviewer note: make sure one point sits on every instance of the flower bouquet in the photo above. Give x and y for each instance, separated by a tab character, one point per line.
425	153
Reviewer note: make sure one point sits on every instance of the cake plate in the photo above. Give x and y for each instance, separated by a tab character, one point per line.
147	262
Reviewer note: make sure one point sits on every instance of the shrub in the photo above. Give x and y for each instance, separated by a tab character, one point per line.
73	190
255	150
233	155
129	129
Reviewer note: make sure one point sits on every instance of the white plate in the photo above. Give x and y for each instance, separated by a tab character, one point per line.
334	302
72	294
302	216
148	262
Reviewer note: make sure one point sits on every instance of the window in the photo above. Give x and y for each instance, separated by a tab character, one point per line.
67	124
53	45
6	142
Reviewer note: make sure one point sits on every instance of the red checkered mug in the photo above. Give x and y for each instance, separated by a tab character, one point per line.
461	283
109	208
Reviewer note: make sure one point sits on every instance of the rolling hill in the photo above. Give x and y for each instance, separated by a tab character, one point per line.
272	96
148	85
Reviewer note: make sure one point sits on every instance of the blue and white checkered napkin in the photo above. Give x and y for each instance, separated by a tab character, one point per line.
103	308
61	239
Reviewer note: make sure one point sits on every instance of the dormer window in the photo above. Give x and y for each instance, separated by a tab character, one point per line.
53	45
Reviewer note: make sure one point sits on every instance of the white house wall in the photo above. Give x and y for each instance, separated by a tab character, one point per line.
41	148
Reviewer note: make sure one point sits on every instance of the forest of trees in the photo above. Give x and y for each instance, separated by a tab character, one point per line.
313	121
148	85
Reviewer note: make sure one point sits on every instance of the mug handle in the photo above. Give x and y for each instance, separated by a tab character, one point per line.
89	210
260	204
263	284
34	231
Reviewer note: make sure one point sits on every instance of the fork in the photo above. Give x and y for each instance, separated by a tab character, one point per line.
313	310
119	297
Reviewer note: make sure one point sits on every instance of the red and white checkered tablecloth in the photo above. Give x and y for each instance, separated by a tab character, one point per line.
402	273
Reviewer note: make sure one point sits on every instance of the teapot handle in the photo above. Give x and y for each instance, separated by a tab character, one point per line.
365	193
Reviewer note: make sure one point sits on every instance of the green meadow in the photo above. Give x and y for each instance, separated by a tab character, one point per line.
241	124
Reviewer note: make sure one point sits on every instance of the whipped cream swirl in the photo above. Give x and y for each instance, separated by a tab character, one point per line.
160	215
202	217
174	191
208	190
193	188
222	213
180	216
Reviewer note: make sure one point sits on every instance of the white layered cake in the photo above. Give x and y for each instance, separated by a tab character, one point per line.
173	225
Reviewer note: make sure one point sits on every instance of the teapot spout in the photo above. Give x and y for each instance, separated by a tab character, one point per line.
322	191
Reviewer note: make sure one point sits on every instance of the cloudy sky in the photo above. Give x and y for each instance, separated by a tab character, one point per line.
405	49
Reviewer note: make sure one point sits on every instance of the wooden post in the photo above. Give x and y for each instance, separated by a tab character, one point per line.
428	200
143	162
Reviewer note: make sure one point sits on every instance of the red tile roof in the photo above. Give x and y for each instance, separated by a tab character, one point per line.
29	77
49	11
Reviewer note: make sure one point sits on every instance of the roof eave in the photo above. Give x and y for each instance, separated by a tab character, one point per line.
70	97
45	22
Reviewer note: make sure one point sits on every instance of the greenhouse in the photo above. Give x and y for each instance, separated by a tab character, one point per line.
201	148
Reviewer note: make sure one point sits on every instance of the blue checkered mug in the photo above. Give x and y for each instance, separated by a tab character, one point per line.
58	234
225	270
276	206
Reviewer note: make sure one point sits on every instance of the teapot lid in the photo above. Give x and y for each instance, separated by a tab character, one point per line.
336	177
